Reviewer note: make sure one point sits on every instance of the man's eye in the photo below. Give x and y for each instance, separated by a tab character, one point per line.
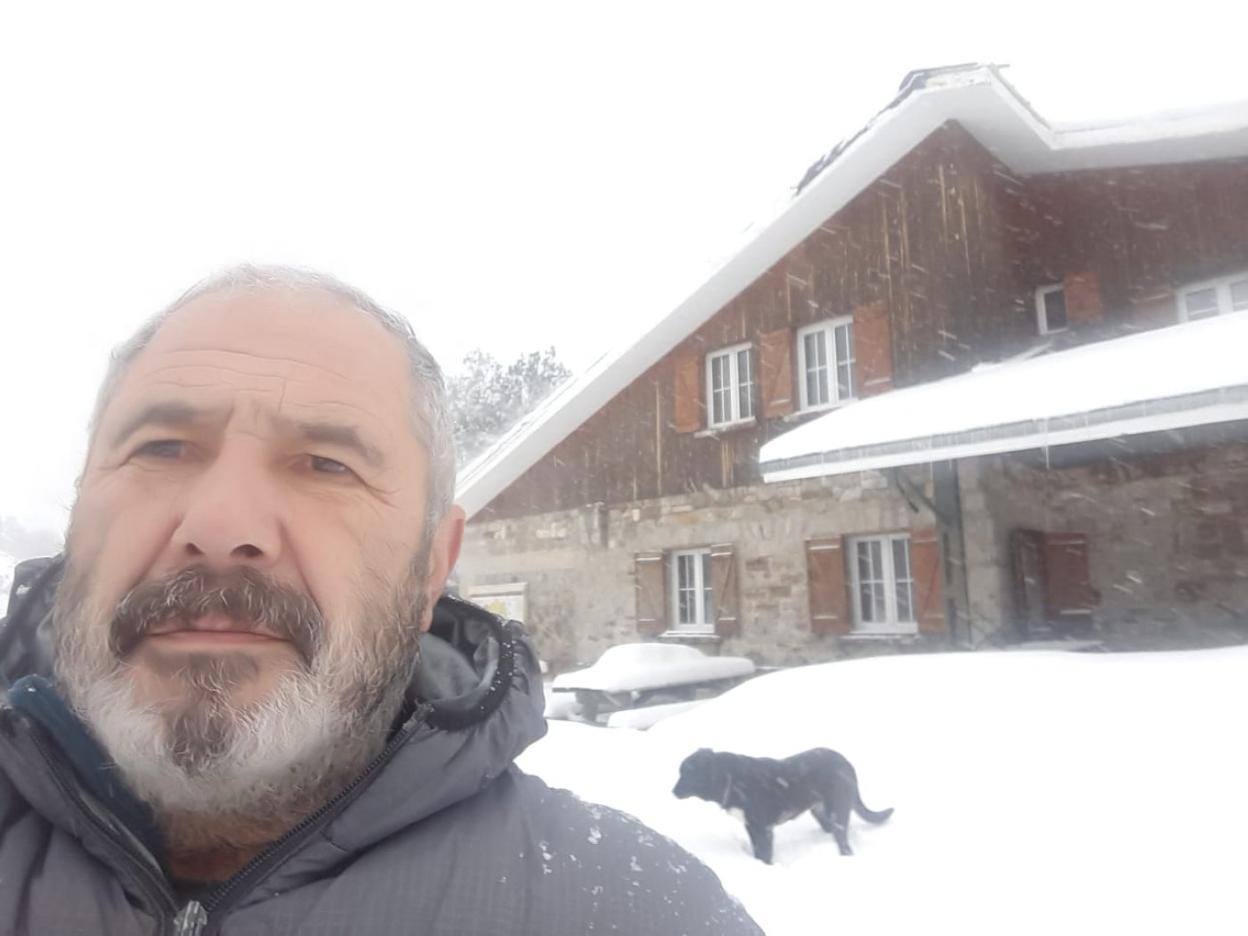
329	466
162	448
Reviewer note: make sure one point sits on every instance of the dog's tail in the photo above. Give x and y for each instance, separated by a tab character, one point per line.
870	814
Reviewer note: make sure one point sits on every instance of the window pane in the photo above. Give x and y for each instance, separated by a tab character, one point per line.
810	357
904	610
816	360
844	382
1239	296
1201	303
864	562
708	600
721	388
1055	310
685	592
844	362
901	558
866	603
745	386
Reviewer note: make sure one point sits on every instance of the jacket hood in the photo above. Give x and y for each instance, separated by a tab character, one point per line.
473	704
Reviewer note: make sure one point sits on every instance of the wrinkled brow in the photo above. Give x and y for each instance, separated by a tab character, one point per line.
342	435
177	415
166	414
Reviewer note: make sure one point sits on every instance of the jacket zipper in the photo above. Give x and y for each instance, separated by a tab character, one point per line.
242	881
149	881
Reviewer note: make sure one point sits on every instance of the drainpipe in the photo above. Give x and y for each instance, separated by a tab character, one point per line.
945	505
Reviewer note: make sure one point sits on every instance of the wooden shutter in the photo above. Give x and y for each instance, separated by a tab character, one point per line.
1083	298
688	405
1068	585
775	372
873	349
825	581
651	587
724	590
929	592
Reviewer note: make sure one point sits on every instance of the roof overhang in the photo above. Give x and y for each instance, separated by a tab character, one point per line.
1176	378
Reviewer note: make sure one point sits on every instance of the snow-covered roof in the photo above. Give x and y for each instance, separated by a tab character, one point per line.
975	96
1178	377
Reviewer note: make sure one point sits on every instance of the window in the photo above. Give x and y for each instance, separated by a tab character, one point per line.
693	607
1215	297
825	363
882	584
729	386
1051	309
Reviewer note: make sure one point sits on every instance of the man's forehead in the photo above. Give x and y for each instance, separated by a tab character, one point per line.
301	353
307	326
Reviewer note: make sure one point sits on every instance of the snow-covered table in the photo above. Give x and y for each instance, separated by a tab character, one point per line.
628	675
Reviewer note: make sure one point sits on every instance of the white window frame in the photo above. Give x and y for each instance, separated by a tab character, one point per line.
734	413
703	623
830	327
1222	288
1042	315
892	624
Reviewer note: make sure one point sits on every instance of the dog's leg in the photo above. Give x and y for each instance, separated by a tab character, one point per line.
822	816
842	801
763	841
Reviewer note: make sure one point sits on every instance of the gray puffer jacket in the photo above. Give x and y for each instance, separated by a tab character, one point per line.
439	835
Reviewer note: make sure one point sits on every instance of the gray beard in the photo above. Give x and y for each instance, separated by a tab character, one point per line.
209	766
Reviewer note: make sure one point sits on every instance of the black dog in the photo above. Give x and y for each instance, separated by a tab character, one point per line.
768	792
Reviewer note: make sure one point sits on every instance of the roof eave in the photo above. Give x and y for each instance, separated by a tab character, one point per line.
1227	405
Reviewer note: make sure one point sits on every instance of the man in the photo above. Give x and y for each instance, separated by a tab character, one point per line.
239	703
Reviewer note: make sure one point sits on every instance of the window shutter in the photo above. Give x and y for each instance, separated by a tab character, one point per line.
724	590
929	593
825	581
776	372
651	586
1068	589
1083	298
873	349
688	395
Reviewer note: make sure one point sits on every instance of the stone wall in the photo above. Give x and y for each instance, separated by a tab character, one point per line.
1168	538
578	564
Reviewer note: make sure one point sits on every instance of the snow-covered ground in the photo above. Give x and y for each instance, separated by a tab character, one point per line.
1041	792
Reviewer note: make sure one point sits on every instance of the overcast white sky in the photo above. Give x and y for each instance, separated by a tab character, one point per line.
509	175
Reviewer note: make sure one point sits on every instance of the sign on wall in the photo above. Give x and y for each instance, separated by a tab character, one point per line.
507	600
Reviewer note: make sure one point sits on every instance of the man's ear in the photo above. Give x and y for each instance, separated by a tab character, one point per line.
443	554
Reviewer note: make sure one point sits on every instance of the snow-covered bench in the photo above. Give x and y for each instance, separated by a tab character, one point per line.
629	675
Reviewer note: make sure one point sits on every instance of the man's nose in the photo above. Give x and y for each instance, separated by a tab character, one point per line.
230	516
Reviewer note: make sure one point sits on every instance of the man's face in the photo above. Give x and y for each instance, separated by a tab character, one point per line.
259	456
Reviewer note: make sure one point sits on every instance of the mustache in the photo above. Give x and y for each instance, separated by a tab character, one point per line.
245	595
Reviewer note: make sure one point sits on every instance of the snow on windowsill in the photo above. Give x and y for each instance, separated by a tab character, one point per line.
676	636
721	428
817	410
881	635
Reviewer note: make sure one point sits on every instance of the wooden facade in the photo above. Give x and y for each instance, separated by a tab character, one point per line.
937	262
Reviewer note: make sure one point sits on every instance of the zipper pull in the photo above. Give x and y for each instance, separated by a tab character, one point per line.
191	921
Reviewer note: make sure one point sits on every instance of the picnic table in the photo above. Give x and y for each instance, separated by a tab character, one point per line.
630	675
